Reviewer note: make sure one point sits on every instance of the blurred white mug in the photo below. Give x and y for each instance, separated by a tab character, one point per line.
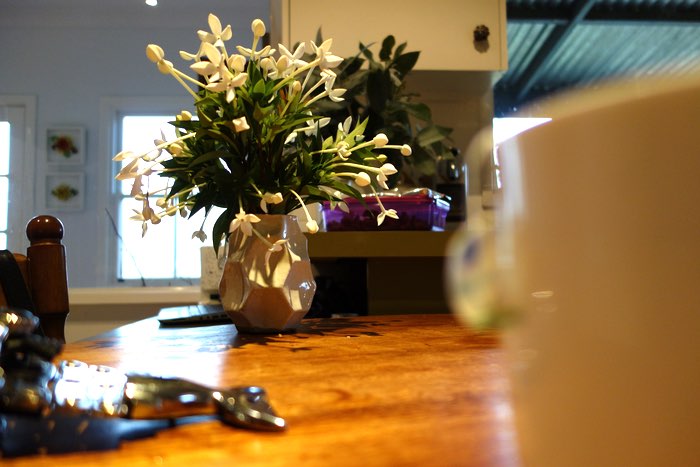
597	250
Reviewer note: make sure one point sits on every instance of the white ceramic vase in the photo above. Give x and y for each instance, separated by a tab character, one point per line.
268	291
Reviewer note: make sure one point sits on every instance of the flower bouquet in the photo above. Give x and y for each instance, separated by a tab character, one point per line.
252	146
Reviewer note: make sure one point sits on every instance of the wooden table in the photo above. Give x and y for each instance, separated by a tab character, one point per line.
380	390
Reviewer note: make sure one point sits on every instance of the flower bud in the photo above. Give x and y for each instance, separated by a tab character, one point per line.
380	140
388	169
312	226
406	150
175	149
362	179
165	66
258	28
154	53
240	124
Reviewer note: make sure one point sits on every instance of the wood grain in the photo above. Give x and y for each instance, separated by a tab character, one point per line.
380	390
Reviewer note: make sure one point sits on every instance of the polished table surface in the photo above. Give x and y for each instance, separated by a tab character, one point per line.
369	390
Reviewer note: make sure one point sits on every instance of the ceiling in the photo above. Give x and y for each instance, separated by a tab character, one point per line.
560	44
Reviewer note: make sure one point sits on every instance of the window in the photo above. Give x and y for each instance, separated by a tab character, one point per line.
16	164
505	128
167	252
4	180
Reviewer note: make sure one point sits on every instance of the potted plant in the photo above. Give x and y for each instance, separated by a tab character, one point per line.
376	91
252	147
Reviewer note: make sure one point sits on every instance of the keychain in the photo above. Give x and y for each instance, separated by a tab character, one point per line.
71	405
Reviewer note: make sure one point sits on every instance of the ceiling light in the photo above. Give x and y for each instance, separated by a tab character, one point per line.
152	2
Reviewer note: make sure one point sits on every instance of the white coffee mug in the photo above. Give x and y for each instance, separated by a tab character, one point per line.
596	253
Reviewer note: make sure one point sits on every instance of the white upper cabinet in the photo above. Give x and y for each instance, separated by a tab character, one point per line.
442	30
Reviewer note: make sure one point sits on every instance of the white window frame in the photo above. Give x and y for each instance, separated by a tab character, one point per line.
20	111
111	111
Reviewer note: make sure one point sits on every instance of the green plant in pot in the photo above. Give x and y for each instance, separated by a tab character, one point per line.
376	91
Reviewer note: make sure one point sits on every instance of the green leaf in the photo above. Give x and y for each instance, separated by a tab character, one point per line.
366	52
399	50
259	88
212	155
178	185
377	90
387	45
220	228
432	134
351	65
418	110
406	62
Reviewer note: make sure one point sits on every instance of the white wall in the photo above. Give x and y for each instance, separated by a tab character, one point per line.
72	53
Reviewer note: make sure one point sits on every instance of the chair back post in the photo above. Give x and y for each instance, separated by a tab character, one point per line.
47	271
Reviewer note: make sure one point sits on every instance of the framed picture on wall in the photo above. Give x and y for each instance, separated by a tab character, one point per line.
65	191
65	145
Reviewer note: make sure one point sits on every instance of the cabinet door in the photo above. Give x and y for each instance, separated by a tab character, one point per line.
443	30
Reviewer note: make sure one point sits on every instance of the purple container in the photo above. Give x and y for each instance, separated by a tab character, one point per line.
416	212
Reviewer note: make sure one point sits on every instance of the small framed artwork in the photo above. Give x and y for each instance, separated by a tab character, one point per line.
65	145
65	191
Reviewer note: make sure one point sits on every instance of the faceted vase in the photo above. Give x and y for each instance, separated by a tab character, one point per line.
267	285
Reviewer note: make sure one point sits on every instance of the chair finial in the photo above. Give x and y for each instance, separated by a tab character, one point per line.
44	229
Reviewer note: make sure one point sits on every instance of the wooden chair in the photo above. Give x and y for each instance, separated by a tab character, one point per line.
44	271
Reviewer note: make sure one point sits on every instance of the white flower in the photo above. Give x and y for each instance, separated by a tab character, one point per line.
200	235
212	53
218	35
124	155
204	68
384	170
295	57
244	222
273	198
270	198
328	78
229	82
240	124
386	213
406	150
264	52
382	179
343	151
269	66
344	127
313	127
236	62
275	247
336	95
324	55
130	170
137	187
